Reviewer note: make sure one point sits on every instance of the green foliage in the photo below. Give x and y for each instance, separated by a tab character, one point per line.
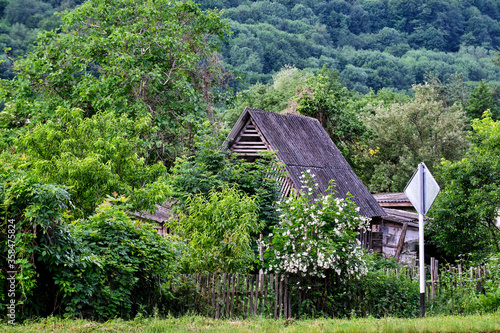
190	322
325	99
378	295
220	230
112	56
373	44
273	97
464	294
37	210
480	100
466	210
95	157
110	265
103	267
423	129
211	167
397	42
316	236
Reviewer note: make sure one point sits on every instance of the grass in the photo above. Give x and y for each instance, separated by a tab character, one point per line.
476	323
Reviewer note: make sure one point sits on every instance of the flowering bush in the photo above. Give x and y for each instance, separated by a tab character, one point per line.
316	235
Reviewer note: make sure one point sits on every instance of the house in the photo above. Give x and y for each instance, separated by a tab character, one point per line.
398	234
398	228
301	144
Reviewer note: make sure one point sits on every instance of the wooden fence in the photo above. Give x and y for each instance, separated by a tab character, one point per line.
230	295
236	295
457	273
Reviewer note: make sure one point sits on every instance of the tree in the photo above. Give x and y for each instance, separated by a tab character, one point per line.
273	97
480	100
129	57
406	134
95	157
464	214
325	99
219	229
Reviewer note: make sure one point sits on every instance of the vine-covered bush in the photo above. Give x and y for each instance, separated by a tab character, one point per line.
110	265
104	267
36	209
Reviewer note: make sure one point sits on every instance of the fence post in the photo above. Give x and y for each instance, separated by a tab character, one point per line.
276	296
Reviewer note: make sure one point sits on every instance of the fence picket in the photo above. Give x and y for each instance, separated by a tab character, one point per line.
276	297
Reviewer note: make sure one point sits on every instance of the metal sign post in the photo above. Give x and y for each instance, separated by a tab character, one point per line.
421	190
421	255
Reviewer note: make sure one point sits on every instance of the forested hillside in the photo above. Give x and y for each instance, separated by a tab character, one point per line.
373	43
21	22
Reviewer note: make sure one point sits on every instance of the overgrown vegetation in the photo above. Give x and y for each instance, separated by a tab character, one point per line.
114	111
476	323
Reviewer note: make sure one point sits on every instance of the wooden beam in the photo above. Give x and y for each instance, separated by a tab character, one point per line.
247	154
395	204
250	135
249	143
401	241
254	147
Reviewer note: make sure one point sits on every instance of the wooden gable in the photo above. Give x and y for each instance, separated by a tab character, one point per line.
249	142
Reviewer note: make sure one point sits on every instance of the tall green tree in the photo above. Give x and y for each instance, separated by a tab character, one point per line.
480	100
464	214
130	57
95	157
406	134
325	98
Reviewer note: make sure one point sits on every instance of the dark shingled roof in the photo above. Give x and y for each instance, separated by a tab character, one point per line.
303	144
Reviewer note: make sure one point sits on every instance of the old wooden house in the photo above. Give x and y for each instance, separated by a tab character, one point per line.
398	229
301	144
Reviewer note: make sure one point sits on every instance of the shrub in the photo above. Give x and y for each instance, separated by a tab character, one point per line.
110	265
466	295
219	231
36	209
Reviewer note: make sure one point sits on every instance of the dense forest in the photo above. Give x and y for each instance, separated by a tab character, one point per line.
20	24
372	43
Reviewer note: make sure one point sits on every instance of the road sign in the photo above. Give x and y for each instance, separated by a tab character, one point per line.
430	190
422	189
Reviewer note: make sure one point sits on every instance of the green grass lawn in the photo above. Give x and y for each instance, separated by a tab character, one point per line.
477	323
